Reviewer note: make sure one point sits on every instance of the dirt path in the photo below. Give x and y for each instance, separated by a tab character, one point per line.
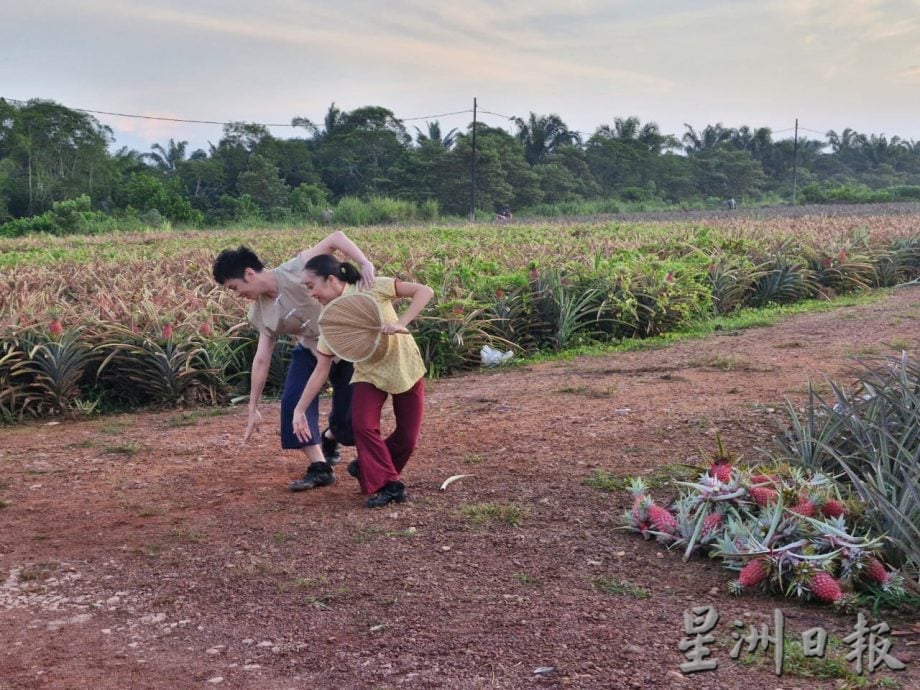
156	551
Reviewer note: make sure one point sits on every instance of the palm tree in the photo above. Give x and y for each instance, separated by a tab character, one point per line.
170	158
334	118
542	135
710	137
879	149
631	129
434	136
847	140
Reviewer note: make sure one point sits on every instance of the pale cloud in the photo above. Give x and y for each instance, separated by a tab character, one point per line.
755	62
490	46
909	75
866	19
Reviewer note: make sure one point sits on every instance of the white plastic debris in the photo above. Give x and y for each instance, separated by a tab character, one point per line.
450	480
492	357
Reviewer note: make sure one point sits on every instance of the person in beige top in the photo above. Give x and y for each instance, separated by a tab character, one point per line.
397	372
282	306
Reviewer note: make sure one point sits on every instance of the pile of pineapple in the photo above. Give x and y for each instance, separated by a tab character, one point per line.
783	530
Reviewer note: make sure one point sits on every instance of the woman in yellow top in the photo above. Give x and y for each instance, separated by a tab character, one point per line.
399	372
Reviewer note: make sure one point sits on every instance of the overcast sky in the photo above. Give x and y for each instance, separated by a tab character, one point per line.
831	63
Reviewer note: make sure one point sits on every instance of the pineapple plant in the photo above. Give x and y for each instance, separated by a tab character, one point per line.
876	572
833	508
783	530
762	495
721	462
55	327
825	588
661	519
754	573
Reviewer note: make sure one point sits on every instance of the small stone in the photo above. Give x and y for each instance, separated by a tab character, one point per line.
620	554
112	601
676	675
266	643
212	651
714	591
248	641
215	680
445	548
251	667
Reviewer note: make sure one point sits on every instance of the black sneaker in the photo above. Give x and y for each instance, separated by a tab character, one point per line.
354	469
393	492
318	474
331	450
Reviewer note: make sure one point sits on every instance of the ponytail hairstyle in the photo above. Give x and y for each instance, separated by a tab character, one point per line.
325	265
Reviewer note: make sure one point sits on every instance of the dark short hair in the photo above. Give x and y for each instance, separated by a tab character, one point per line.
232	263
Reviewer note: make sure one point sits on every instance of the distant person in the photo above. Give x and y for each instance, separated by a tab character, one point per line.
327	216
282	305
503	216
730	204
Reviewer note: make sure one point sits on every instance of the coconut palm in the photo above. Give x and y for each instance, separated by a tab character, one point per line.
333	119
168	159
434	136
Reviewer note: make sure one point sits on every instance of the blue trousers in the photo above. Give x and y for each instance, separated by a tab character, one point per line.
303	362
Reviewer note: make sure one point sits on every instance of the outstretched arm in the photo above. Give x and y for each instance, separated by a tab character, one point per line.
338	241
311	390
260	365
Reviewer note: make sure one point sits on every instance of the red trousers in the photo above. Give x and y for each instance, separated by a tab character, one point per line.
381	460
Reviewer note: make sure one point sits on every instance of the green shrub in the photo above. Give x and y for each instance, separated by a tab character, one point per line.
68	217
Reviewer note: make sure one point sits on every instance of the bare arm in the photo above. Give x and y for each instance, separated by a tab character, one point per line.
311	390
260	365
338	241
420	295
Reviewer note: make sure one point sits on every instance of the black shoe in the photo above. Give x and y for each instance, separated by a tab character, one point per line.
354	469
331	450
393	492
318	474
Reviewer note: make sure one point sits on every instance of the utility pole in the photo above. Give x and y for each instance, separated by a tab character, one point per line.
795	159
473	169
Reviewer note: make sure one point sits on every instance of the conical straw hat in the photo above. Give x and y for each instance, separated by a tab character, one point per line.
351	326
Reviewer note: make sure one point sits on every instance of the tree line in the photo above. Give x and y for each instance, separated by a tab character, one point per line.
57	168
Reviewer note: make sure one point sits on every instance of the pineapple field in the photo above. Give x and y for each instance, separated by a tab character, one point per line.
741	391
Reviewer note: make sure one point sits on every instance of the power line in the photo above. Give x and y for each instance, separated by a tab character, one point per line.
290	124
218	122
508	117
425	117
